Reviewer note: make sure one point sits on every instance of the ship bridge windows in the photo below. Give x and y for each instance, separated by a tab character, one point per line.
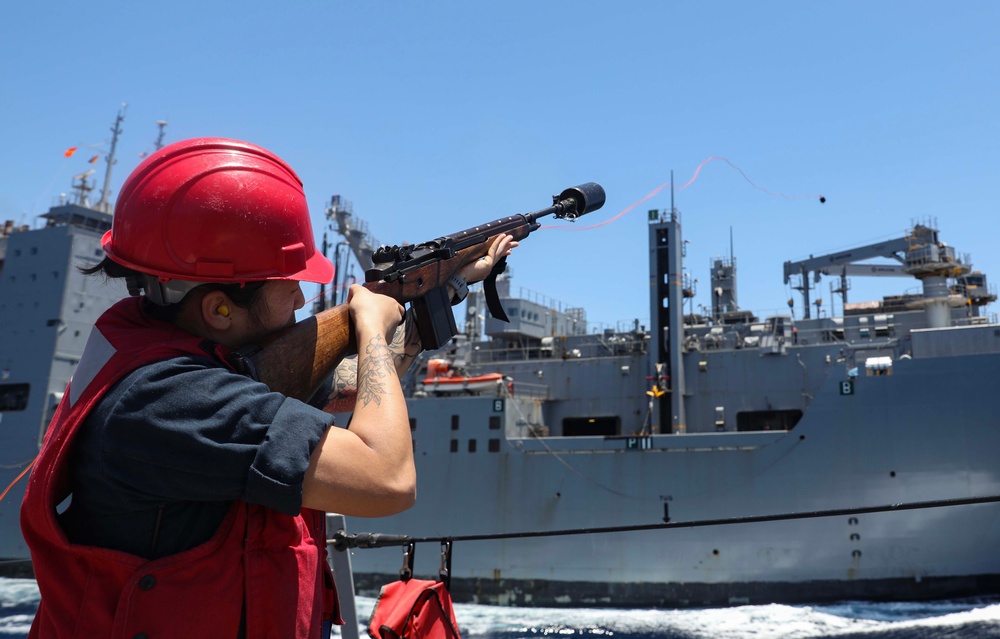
14	397
591	426
755	420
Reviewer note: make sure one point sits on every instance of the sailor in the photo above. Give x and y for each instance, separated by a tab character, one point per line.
172	495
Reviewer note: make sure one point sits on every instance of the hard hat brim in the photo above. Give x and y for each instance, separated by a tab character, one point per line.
318	269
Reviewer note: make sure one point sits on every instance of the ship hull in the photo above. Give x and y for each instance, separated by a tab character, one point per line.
913	436
547	593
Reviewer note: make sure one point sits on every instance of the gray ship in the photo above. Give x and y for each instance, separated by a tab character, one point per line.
544	425
47	309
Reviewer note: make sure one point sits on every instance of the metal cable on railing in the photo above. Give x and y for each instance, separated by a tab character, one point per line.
341	540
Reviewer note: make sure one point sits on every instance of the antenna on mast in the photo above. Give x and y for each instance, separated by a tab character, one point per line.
104	204
673	210
82	188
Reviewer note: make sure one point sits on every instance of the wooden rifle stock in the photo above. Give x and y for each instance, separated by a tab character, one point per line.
295	361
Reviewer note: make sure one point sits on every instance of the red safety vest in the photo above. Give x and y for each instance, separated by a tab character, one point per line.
269	564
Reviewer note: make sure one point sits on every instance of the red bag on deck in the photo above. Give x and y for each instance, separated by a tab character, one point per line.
414	609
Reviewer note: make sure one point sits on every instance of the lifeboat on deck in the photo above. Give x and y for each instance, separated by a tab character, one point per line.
442	379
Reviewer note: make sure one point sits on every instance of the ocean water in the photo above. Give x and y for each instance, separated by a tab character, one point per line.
965	619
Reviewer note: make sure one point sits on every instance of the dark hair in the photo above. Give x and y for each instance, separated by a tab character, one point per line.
107	267
243	295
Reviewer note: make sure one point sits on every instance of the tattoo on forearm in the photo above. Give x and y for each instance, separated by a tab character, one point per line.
344	388
404	348
405	345
375	371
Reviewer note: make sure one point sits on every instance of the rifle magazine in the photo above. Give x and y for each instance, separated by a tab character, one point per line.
435	320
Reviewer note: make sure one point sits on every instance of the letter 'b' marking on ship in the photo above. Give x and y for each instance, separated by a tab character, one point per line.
96	354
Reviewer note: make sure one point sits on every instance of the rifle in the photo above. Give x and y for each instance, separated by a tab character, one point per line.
296	360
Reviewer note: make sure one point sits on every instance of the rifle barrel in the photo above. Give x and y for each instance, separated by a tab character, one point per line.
570	204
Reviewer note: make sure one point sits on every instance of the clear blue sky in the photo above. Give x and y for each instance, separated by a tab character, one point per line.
433	116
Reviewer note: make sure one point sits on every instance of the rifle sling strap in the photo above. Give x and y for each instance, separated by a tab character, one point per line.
490	290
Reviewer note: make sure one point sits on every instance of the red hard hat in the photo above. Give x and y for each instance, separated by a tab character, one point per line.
215	210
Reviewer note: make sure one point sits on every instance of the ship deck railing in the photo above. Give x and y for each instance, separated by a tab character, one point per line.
529	390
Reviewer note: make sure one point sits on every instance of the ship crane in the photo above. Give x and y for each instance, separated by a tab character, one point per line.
361	243
918	254
355	231
842	263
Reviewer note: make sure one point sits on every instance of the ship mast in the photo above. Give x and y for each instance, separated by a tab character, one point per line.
667	314
104	204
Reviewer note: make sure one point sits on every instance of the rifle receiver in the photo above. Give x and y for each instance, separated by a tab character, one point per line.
578	200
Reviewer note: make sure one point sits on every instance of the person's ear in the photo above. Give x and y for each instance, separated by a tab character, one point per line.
216	310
